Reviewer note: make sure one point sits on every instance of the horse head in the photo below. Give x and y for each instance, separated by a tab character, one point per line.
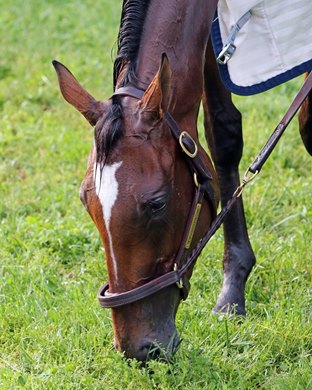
139	191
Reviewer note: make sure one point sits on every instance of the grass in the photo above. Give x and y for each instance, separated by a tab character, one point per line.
53	335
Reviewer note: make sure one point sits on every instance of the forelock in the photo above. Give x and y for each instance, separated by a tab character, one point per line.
108	130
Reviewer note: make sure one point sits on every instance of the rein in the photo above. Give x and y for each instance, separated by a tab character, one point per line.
185	258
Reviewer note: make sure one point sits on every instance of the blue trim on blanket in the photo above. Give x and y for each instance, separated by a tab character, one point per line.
256	88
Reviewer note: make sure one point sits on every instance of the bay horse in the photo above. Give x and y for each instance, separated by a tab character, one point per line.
140	184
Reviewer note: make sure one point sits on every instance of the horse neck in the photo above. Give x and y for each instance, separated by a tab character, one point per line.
179	28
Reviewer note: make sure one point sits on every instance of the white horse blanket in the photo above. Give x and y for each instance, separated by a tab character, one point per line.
271	44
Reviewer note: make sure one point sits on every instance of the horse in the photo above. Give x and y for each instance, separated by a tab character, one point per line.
150	188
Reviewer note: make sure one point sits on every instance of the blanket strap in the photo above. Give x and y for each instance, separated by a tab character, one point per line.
229	47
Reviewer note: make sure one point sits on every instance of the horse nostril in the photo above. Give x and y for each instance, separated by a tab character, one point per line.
151	351
156	351
148	348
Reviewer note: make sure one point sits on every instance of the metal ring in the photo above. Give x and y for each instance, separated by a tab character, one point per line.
247	179
185	150
239	190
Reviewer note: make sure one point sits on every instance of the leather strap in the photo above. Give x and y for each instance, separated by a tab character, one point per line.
108	300
281	127
190	227
129	91
196	162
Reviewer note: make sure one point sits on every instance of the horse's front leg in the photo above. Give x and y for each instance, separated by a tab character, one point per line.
223	130
305	122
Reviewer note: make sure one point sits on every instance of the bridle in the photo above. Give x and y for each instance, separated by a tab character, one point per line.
185	258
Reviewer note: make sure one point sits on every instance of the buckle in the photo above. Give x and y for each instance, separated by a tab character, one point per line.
179	283
196	180
184	148
226	53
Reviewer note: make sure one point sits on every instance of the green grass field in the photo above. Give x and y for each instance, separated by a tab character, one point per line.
53	334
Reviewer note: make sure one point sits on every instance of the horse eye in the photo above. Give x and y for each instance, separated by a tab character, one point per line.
157	205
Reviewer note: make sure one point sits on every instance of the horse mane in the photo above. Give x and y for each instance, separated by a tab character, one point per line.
109	130
131	27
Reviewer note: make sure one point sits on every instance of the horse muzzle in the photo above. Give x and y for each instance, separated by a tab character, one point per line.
149	349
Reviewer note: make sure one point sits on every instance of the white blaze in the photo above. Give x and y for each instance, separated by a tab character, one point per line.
107	190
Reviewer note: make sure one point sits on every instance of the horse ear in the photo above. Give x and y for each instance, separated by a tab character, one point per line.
156	96
76	95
